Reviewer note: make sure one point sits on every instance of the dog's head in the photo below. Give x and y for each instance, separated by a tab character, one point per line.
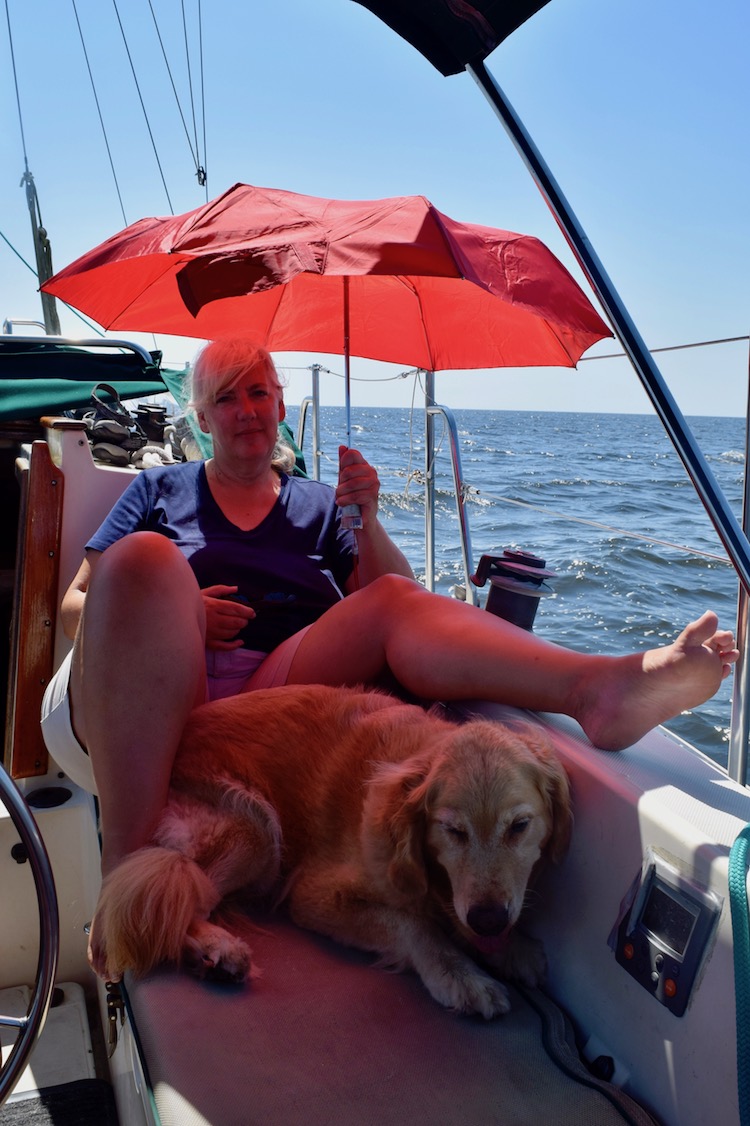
466	822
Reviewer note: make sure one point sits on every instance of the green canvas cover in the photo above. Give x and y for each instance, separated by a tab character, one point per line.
40	377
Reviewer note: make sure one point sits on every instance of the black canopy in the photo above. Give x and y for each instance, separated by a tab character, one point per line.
452	33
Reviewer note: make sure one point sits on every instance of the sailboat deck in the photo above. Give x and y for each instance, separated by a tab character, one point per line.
323	1036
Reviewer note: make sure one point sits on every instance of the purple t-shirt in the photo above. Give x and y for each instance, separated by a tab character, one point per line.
291	568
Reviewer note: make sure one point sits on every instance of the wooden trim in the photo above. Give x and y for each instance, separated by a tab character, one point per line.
34	610
53	422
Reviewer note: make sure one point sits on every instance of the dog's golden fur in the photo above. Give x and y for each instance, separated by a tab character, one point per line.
390	829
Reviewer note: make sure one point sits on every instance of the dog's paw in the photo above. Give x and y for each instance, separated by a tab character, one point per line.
213	953
465	988
523	959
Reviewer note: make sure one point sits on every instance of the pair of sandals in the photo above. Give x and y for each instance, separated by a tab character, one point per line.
117	438
112	423
147	457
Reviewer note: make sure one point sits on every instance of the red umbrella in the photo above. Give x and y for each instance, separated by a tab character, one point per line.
390	279
422	289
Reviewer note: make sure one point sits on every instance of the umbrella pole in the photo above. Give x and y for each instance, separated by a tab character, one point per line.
347	368
351	515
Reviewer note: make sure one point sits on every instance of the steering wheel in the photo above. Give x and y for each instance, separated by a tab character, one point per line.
31	1025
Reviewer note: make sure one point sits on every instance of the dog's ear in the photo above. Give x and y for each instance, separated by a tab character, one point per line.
555	789
398	816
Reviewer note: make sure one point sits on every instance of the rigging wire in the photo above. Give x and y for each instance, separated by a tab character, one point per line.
410	461
194	153
17	253
583	359
42	247
15	82
88	323
356	378
143	107
99	111
203	97
200	171
668	348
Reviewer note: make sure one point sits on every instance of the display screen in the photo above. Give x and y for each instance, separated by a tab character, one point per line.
668	919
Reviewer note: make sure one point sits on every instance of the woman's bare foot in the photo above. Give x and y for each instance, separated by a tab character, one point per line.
627	696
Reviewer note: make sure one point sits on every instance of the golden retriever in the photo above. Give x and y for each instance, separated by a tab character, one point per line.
387	827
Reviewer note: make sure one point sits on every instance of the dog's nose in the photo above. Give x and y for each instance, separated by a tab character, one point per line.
487	919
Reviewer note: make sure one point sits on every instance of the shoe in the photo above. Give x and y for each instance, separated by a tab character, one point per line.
107	430
109	454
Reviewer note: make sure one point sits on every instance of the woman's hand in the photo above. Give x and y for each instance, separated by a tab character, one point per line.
224	617
358	484
376	552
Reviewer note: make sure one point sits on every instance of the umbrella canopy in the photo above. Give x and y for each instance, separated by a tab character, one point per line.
422	288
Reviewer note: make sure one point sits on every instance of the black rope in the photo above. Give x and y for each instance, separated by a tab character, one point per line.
101	118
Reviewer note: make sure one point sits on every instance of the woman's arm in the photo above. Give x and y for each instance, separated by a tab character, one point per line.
73	599
378	554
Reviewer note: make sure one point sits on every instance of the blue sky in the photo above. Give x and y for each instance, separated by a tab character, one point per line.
640	108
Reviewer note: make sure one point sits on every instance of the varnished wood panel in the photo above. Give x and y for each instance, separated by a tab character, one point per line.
34	610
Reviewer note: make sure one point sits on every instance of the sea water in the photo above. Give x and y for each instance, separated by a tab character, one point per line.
604	499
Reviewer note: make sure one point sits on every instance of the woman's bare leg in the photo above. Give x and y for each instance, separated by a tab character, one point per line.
439	648
138	670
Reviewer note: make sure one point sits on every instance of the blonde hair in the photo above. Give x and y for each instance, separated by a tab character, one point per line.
220	363
283	459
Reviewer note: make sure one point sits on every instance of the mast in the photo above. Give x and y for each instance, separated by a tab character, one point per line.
43	252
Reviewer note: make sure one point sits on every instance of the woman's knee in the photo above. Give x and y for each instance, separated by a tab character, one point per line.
142	551
142	562
387	600
392	590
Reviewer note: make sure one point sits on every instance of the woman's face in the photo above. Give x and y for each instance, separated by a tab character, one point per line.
244	419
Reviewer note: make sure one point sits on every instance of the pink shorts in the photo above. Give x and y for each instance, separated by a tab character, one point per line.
228	674
245	670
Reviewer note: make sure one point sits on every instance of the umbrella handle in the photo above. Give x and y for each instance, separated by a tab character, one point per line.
351	517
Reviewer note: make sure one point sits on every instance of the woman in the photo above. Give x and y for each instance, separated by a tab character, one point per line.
216	578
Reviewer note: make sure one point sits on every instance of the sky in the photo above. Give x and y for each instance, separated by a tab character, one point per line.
641	110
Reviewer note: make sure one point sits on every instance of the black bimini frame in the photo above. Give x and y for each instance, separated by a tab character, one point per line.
456	36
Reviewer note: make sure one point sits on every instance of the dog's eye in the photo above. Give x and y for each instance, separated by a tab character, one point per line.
519	826
456	833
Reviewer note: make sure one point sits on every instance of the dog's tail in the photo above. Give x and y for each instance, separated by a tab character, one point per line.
146	907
